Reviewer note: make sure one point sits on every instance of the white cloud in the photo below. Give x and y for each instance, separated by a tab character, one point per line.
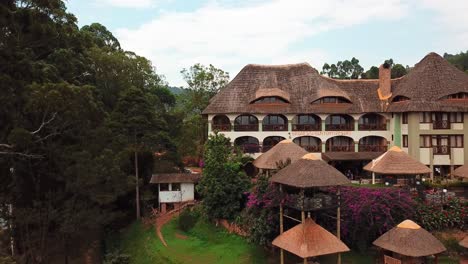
128	3
231	36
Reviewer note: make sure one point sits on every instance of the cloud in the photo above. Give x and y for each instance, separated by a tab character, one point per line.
231	36
128	3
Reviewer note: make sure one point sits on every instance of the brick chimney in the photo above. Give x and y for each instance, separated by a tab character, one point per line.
385	88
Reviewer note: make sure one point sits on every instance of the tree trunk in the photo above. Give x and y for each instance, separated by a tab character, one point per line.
137	188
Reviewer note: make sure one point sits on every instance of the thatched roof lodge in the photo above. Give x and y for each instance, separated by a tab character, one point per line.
409	243
281	152
397	162
464	242
309	240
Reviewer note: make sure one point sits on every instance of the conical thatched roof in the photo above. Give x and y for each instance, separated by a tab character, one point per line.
464	242
396	161
461	172
309	240
280	152
409	239
309	171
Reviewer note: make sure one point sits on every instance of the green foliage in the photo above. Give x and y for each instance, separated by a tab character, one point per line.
224	182
397	70
343	69
116	258
458	60
450	214
187	220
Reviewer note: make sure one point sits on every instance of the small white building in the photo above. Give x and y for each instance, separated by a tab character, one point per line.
174	189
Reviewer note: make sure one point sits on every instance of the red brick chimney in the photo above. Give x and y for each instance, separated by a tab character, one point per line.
385	88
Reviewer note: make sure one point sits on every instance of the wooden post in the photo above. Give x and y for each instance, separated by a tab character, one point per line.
281	224
436	259
373	177
338	220
302	206
305	261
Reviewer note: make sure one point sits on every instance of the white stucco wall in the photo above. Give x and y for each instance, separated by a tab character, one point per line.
457	126
425	155
458	156
186	193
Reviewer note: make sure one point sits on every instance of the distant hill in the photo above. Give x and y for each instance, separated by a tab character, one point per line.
175	90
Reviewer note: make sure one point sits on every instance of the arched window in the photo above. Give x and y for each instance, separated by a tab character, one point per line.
270	142
339	122
311	144
457	96
246	123
340	144
247	144
372	121
372	144
275	123
400	98
332	100
270	100
221	123
306	123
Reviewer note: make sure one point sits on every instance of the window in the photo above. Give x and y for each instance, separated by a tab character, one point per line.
457	96
405	141
400	98
274	120
164	186
456	117
270	100
306	119
404	118
331	100
175	186
425	117
425	141
246	120
456	141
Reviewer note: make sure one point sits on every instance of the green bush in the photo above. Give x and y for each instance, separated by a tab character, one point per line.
187	220
451	214
116	258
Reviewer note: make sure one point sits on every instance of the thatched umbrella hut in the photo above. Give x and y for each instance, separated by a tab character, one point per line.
408	243
308	240
310	174
461	172
464	242
281	152
396	162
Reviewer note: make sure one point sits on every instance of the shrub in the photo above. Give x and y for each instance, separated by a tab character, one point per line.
187	220
451	214
116	258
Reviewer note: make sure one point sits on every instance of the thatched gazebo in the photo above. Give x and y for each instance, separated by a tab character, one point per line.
461	172
281	152
396	162
305	181
464	242
408	243
308	240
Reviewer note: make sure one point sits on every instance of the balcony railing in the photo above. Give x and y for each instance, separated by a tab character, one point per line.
250	148
441	124
372	148
341	148
250	127
316	202
373	127
312	148
441	150
306	127
339	127
283	127
221	127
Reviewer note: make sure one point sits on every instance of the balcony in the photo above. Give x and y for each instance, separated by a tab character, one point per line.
441	150
340	148
373	127
312	148
221	127
275	127
441	124
250	148
249	127
306	127
372	148
339	127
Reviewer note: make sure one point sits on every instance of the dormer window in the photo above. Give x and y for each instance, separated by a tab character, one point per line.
270	100
457	96
400	98
332	100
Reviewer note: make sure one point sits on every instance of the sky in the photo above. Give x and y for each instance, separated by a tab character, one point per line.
176	34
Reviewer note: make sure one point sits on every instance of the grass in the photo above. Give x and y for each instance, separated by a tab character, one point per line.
205	243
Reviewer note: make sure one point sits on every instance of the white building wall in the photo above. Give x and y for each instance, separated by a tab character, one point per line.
458	156
425	155
188	191
170	196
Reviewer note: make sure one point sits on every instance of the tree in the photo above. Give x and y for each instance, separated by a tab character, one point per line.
458	60
397	70
343	69
372	73
224	182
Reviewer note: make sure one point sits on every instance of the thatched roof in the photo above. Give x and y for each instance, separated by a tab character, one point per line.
175	178
409	239
430	80
309	240
285	149
461	171
464	242
308	172
396	161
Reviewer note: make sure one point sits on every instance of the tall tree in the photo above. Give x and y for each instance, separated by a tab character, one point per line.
459	60
343	69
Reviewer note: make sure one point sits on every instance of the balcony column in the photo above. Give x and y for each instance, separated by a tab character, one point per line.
232	125
210	125
290	125
387	122
356	124
323	147
356	146
323	125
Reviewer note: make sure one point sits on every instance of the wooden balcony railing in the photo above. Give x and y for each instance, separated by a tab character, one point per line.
441	124
373	127
312	148
317	202
250	127
441	150
221	127
341	148
250	148
340	127
372	148
306	127
283	127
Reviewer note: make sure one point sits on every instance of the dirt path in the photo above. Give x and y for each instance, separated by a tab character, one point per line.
167	217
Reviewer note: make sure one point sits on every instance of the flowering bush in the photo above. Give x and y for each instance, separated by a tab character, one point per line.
367	213
438	216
